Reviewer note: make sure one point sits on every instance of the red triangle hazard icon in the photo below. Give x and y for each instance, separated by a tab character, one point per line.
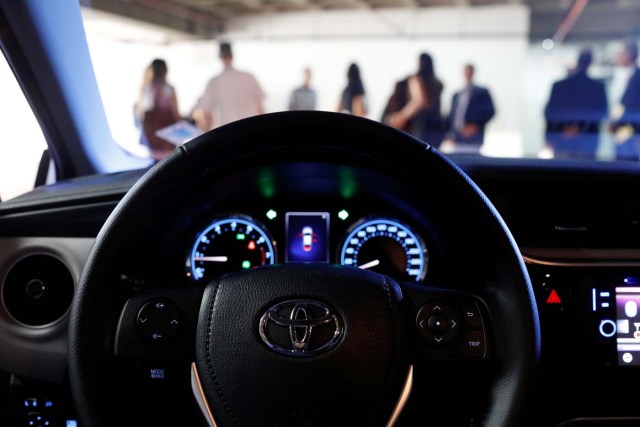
554	298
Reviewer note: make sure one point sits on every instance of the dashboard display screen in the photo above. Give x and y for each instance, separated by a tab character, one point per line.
628	325
307	236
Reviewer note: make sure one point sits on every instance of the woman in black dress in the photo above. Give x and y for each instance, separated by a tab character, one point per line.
352	100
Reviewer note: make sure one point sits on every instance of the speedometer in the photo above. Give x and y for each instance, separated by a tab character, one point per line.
386	246
229	244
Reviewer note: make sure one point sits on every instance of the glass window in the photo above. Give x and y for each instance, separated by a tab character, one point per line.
509	79
21	140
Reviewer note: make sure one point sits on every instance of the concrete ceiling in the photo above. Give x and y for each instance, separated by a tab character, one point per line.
597	20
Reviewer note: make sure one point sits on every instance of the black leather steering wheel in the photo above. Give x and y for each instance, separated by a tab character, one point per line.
305	343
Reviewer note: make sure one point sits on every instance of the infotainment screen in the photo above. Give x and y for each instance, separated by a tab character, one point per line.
628	325
590	314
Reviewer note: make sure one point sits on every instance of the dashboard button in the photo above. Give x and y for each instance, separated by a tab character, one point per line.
607	328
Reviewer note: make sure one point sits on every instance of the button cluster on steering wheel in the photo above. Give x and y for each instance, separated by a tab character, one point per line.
438	323
158	320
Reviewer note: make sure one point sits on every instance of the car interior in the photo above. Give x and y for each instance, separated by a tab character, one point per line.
310	268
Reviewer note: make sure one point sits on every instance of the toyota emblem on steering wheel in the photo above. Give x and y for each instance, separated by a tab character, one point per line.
300	328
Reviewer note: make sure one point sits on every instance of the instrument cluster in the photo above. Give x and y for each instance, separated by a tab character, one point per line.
380	242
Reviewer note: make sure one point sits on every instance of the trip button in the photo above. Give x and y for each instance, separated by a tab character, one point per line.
473	345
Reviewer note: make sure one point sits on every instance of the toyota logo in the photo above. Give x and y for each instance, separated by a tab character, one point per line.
300	328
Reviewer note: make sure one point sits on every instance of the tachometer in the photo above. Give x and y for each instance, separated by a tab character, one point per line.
229	244
386	246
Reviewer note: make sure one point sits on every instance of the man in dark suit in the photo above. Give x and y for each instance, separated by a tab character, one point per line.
626	115
576	107
471	109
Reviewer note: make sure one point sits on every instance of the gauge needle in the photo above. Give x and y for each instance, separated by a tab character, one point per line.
369	264
212	258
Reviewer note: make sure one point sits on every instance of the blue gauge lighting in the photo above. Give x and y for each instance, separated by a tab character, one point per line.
386	246
230	244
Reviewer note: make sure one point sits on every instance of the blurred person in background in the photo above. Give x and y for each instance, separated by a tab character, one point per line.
396	101
575	109
147	76
304	96
421	115
625	123
157	108
353	97
471	109
231	95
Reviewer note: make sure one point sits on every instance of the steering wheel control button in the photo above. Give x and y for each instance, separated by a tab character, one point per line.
437	323
471	314
158	320
156	372
473	345
38	419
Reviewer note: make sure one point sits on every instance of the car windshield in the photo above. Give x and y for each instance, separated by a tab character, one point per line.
497	78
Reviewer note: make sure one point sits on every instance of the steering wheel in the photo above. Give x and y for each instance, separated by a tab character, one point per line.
304	344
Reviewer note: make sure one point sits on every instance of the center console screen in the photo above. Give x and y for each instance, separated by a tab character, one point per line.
628	325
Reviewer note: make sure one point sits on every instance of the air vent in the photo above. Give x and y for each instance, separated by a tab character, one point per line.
37	290
575	223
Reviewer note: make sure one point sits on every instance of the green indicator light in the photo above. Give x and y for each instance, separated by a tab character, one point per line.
246	264
239	236
271	214
267	183
348	183
343	214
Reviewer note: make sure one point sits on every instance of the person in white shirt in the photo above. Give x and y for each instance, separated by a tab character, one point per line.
231	95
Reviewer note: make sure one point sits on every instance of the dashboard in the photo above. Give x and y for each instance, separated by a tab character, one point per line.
587	294
320	214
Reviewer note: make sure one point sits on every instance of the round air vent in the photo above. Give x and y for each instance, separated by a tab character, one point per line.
37	290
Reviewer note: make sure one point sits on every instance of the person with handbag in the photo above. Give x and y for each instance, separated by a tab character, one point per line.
421	114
